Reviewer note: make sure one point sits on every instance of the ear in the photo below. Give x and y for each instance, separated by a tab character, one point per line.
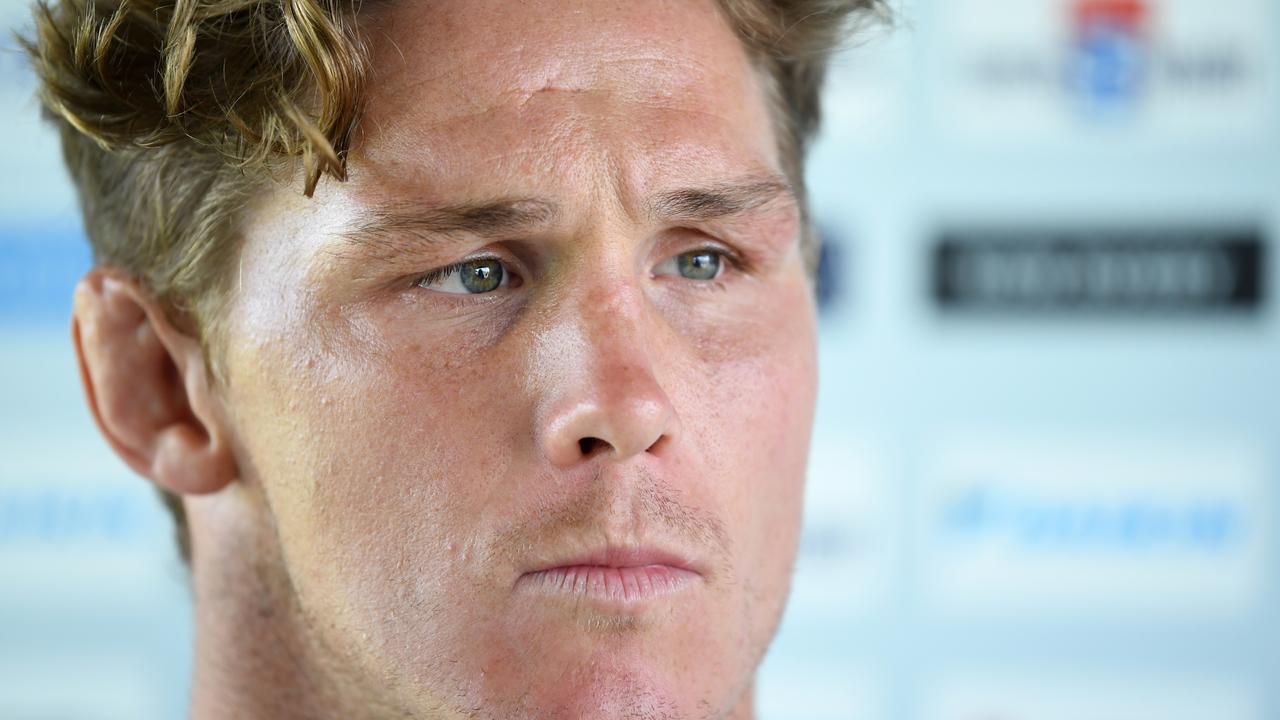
148	387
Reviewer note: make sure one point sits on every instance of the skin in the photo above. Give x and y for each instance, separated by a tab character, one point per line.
389	461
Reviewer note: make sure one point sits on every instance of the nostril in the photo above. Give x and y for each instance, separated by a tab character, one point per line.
590	445
656	443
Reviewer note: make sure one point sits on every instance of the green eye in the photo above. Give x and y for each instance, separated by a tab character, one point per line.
694	265
473	277
699	265
481	276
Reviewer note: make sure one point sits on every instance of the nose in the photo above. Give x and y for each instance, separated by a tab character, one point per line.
601	396
622	419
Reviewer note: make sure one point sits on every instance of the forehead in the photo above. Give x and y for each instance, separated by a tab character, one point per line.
468	92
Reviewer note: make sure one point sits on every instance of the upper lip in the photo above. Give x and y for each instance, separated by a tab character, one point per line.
622	556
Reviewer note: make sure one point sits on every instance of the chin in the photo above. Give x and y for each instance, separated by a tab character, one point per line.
611	688
605	664
623	668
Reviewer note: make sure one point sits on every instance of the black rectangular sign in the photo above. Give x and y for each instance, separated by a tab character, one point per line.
1175	270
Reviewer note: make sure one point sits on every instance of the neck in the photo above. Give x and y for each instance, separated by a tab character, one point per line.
249	659
255	657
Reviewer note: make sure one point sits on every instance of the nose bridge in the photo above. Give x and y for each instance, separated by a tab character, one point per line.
611	310
599	386
617	333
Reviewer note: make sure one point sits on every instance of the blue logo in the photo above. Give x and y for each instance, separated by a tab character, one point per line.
39	268
1137	523
1108	71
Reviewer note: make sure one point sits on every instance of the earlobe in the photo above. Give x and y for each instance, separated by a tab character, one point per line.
148	387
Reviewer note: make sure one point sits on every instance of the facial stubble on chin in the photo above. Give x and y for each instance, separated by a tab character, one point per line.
661	509
557	518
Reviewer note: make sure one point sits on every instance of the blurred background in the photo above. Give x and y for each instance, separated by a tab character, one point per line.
1044	473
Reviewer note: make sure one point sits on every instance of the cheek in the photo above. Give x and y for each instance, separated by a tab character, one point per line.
760	360
752	425
371	410
754	416
361	447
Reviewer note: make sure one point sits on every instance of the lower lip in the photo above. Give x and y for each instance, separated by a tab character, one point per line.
616	584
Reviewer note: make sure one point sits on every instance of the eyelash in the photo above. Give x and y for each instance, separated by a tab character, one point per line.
435	276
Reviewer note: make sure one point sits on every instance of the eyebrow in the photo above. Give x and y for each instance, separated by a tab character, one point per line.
720	200
387	231
389	224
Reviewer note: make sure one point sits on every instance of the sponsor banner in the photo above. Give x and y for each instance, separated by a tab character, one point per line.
1163	69
34	188
864	104
818	692
846	550
39	268
1106	528
69	528
1173	270
83	686
1008	694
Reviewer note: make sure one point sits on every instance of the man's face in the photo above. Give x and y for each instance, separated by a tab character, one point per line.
562	479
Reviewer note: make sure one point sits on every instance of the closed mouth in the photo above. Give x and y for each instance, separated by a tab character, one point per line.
614	575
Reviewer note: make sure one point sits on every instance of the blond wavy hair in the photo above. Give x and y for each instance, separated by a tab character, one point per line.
172	113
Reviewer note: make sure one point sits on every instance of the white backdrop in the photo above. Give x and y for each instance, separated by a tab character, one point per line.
1059	503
